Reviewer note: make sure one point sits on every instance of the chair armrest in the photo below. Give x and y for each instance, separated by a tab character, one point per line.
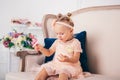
33	62
29	59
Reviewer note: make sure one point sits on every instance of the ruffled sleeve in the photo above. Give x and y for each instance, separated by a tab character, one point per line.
77	46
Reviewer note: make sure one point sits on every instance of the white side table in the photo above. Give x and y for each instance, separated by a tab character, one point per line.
13	61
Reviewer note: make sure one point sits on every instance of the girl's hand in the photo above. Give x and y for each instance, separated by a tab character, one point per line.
63	58
37	47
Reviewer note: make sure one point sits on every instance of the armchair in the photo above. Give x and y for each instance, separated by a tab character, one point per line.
102	26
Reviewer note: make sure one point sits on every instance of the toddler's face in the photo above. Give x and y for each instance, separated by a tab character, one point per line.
63	33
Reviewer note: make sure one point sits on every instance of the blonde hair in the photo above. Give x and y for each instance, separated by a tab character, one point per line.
64	20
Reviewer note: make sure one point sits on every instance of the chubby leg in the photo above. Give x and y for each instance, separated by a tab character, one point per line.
63	76
42	75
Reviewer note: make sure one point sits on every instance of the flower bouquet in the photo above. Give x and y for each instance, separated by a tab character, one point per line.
18	40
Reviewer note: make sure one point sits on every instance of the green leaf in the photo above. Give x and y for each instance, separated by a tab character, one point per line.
28	38
7	39
22	42
15	30
11	44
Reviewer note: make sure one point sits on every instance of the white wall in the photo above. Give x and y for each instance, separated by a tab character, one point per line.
35	9
31	9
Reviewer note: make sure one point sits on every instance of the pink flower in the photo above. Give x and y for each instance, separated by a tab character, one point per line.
34	40
6	43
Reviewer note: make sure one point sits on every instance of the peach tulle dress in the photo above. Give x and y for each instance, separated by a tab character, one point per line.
68	49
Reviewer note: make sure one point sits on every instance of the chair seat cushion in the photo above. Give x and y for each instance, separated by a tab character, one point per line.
20	76
31	76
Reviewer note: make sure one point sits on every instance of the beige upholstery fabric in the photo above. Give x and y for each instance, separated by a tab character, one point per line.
31	76
33	62
21	76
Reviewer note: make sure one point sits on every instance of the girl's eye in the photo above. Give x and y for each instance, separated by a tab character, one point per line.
62	33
